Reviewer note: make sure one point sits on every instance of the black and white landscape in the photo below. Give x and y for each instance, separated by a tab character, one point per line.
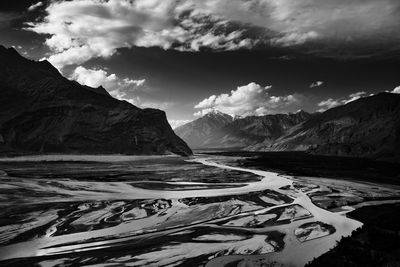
366	127
199	133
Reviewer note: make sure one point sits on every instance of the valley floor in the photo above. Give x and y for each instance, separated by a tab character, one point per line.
171	211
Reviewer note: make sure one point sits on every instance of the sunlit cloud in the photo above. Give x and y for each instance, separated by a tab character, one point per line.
120	88
316	84
35	6
84	29
251	99
331	103
396	90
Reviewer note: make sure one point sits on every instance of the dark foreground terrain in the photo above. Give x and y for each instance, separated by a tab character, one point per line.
375	244
303	164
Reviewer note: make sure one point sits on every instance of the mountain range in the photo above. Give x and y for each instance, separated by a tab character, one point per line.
219	130
43	112
367	127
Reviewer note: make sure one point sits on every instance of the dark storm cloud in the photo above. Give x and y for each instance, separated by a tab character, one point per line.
82	29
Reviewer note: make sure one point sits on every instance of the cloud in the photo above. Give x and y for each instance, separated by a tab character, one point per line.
203	112
163	105
176	123
83	29
355	96
251	99
35	6
295	38
333	22
316	84
331	103
132	91
328	104
396	90
119	88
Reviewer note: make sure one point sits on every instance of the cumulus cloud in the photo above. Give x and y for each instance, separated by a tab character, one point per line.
176	123
35	6
316	84
331	103
132	91
251	99
355	96
117	87
396	90
83	29
328	104
295	38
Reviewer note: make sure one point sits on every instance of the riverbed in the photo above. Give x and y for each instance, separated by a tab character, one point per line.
162	211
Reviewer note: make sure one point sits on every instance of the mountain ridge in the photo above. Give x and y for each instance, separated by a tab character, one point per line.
43	112
236	132
366	127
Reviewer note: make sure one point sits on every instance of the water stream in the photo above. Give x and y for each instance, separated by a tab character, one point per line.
293	253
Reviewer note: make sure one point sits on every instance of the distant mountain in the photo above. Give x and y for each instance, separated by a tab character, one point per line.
219	130
198	133
367	127
43	112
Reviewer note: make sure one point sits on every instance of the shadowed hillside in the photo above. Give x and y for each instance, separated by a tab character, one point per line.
43	112
367	127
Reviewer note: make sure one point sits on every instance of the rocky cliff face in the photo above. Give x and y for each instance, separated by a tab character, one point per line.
219	130
43	112
368	127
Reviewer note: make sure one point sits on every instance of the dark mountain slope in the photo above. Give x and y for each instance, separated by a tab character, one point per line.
367	127
43	112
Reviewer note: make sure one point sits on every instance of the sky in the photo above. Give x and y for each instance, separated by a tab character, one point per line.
241	57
